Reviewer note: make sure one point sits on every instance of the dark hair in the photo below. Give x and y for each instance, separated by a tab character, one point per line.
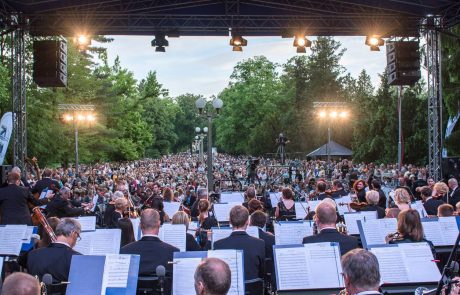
251	193
445	210
426	191
215	276
239	215
127	232
255	205
287	193
376	184
410	225
321	186
157	203
258	218
168	195
337	183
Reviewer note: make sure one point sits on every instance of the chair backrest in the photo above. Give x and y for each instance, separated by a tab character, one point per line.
56	289
255	286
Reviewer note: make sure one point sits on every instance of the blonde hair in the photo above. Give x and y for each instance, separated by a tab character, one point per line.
441	188
180	217
372	197
402	196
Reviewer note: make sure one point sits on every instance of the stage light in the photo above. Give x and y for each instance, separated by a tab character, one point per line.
237	48
80	117
90	118
82	41
237	42
160	42
333	114
374	42
322	114
343	114
68	117
301	49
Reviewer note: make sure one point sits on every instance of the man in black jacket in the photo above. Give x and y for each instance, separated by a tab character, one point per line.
429	203
253	248
454	193
46	182
152	250
56	258
14	201
326	218
61	206
259	219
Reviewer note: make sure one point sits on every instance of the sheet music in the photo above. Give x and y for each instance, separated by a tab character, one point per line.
418	205
88	223
28	235
1	264
99	242
375	230
116	270
183	275
311	266
171	208
253	231
192	227
292	232
351	220
220	233
234	197
301	210
136	228
222	210
441	232
312	205
234	259
275	198
173	234
406	263
344	207
11	237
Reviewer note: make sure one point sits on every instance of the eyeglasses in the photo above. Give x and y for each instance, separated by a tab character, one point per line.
78	236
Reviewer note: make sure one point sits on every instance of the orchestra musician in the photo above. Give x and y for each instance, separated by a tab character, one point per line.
61	206
110	208
326	219
321	187
212	276
361	273
180	217
46	183
121	209
360	190
14	201
338	190
20	283
202	194
429	203
402	202
285	210
205	223
56	258
372	198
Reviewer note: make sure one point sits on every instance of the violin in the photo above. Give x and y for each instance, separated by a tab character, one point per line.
357	206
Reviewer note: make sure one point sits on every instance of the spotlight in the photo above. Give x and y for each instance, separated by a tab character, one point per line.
343	114
333	114
301	49
160	42
238	42
80	117
301	41
82	41
322	114
90	118
374	42
68	117
237	48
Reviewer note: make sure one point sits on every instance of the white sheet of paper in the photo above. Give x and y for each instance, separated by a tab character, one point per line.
183	275
275	198
116	270
222	210
94	201
292	233
171	208
407	263
1	264
99	242
136	227
173	234
342	206
11	237
351	220
253	231
442	232
88	223
28	235
220	233
418	205
375	230
234	259
309	267
232	197
192	227
301	209
312	205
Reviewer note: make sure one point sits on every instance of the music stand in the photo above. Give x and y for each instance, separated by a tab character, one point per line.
447	268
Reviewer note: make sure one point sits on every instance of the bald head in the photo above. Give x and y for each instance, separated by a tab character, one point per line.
20	283
325	214
212	277
150	221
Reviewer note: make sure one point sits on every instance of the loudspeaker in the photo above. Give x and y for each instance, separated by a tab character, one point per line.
4	170
451	168
403	62
50	63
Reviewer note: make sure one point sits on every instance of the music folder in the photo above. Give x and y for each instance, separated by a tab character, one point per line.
12	238
292	232
351	219
103	275
87	223
374	231
307	267
171	208
231	197
185	264
222	210
442	231
406	263
99	242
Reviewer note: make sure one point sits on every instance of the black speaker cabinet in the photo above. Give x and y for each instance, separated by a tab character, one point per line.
50	63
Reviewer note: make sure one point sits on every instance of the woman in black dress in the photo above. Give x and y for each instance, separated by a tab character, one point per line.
205	223
360	190
285	210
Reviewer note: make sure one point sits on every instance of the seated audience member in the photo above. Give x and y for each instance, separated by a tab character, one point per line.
212	277
410	229
121	206
285	210
20	283
402	202
152	250
445	210
325	219
180	217
429	203
253	248
127	231
56	258
372	198
361	272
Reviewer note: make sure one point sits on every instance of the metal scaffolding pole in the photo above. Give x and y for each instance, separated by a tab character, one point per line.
433	64
19	93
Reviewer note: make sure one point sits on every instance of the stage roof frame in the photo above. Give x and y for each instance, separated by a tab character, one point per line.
248	17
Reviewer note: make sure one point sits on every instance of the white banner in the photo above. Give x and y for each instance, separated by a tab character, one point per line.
6	128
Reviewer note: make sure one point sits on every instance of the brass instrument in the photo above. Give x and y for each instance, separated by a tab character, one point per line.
342	228
131	209
46	226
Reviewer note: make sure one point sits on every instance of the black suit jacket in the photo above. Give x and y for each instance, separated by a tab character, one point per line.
54	259
269	240
60	207
191	244
13	205
346	243
45	183
253	249
454	197
380	211
431	206
153	252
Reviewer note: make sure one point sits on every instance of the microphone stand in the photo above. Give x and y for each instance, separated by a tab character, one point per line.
447	268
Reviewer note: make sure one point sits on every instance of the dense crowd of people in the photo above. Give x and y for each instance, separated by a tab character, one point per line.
117	192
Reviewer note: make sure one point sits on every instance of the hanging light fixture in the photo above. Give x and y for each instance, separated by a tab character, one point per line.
374	42
237	42
160	42
301	42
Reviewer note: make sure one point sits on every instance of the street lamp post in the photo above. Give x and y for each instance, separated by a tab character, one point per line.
77	114
217	105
